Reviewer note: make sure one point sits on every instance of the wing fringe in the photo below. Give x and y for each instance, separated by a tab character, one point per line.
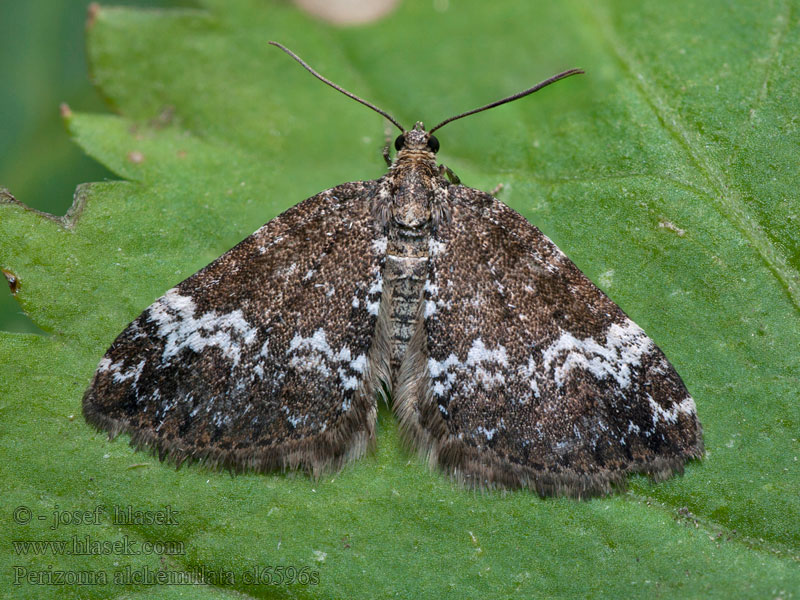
324	453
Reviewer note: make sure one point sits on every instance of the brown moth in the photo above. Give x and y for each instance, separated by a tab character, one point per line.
504	364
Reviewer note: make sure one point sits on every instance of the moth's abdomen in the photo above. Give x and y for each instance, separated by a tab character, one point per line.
405	273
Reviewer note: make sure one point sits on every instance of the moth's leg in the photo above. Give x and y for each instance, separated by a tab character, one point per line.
387	147
386	153
497	189
445	170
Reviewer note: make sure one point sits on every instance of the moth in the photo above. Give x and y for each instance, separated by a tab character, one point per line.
504	365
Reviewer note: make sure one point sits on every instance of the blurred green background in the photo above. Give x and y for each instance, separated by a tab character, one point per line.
42	64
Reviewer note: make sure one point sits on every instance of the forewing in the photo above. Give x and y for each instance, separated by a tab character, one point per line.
527	374
260	360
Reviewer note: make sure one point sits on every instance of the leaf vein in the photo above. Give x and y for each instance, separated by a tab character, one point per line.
728	201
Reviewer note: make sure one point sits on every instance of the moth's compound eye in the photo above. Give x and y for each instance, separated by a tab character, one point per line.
433	143
399	142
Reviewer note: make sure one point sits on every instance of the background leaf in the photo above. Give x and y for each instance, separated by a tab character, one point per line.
668	174
43	64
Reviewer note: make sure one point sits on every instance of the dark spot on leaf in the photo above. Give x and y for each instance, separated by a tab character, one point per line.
13	281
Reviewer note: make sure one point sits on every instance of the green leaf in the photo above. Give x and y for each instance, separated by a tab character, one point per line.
668	174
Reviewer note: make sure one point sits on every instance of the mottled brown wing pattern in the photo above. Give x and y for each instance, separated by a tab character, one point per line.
524	373
261	359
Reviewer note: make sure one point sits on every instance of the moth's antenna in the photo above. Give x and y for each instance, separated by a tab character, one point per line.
337	87
535	88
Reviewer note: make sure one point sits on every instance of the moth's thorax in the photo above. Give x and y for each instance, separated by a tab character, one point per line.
413	191
412	182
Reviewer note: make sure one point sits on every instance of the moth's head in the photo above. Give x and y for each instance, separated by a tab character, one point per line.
415	142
